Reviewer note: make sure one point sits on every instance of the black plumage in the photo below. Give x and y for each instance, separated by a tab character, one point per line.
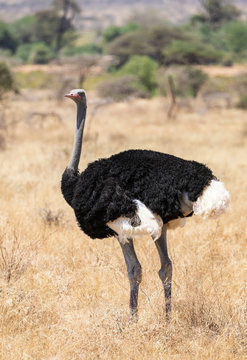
108	187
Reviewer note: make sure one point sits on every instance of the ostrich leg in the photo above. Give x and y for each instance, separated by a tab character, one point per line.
134	274
165	272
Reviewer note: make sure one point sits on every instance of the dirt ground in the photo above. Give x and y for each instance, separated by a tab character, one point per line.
211	70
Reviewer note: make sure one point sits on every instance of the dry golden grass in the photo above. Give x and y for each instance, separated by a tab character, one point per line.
65	296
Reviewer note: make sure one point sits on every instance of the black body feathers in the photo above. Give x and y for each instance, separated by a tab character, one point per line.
107	188
68	183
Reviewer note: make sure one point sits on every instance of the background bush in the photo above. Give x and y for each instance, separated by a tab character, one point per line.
6	79
121	88
145	69
190	52
242	103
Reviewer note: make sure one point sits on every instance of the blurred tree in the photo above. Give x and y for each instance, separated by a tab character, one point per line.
187	52
235	35
219	11
53	27
40	54
6	79
129	44
149	42
23	52
7	40
114	31
66	10
24	29
46	25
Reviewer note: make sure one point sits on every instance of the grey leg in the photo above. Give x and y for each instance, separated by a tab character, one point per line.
134	274
165	272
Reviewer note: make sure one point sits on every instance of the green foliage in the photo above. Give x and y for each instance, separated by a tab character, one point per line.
190	52
49	29
89	48
24	29
23	52
214	36
235	34
196	79
6	79
36	53
47	22
52	26
40	54
65	10
139	42
7	40
219	11
144	68
130	44
114	31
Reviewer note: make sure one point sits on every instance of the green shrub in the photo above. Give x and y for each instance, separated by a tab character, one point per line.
114	31
149	42
23	52
40	54
24	29
196	79
235	34
190	52
144	68
188	80
6	79
36	53
7	40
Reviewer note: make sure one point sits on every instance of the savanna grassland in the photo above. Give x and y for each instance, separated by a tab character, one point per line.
65	296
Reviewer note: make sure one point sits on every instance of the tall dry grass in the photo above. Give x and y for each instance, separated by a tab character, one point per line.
64	296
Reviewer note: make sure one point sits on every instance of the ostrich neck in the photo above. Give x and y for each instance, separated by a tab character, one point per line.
76	153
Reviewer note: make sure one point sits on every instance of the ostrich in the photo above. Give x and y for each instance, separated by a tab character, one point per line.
138	192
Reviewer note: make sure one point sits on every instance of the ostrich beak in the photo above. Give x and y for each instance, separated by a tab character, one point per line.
72	96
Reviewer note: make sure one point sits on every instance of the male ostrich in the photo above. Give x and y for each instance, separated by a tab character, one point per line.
138	192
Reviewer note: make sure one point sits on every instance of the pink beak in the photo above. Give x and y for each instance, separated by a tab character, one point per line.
71	96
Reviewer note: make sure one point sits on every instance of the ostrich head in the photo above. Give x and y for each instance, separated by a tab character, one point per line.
78	95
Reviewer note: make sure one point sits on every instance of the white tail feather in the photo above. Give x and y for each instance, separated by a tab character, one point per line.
213	202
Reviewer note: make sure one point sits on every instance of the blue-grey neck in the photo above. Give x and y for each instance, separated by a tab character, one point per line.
80	121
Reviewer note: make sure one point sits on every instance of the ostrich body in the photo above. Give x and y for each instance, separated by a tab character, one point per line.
138	192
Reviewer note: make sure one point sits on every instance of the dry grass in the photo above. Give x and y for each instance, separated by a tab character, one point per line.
64	296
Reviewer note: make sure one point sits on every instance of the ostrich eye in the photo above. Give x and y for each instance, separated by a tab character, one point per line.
81	94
